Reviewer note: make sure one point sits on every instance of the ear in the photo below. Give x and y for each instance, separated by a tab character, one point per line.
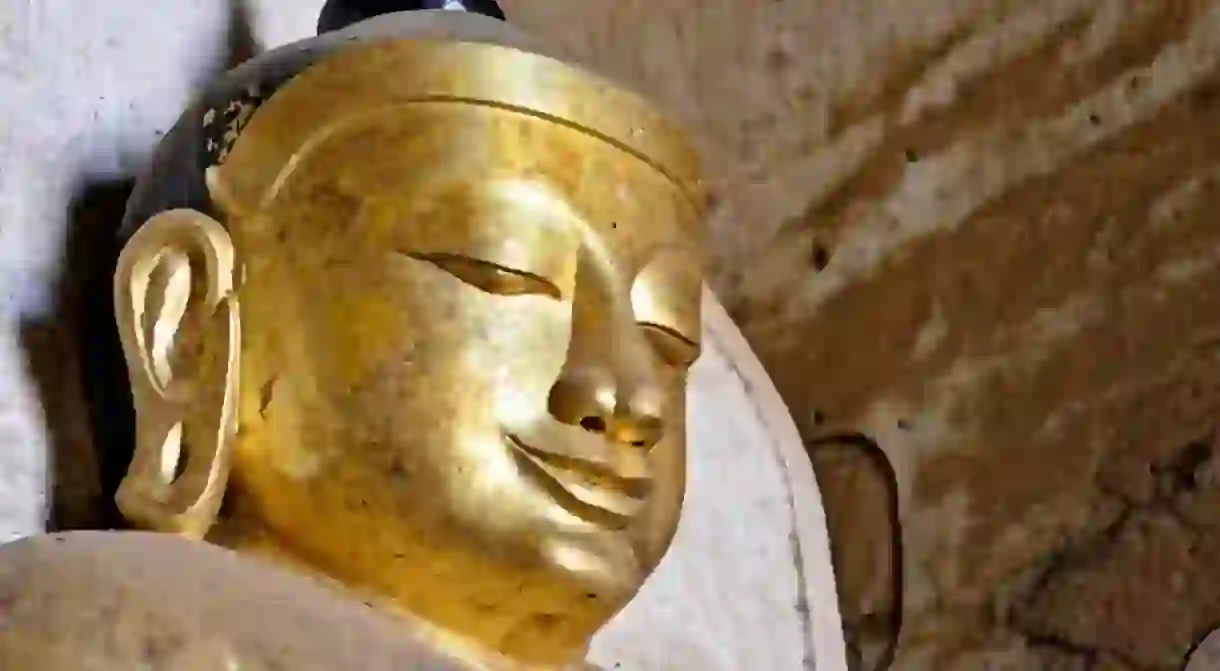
179	324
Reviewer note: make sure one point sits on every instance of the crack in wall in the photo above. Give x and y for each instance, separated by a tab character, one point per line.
1089	579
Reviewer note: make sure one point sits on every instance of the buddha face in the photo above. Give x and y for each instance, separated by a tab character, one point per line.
465	334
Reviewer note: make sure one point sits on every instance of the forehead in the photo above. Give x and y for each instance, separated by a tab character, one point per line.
443	175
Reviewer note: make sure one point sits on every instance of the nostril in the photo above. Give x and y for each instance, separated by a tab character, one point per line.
640	431
594	424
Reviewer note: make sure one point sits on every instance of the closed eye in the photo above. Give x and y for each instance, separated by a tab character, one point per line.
488	276
674	348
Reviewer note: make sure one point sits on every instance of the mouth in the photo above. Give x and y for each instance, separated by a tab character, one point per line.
596	492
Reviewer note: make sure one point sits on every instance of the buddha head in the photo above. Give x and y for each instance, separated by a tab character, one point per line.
432	341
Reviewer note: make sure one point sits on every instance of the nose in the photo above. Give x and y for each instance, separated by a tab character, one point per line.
591	399
609	383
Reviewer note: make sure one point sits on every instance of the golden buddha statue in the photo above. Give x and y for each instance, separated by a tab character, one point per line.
426	340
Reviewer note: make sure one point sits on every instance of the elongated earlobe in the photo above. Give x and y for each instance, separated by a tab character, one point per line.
180	328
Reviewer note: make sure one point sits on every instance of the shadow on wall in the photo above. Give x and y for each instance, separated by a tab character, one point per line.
69	354
74	356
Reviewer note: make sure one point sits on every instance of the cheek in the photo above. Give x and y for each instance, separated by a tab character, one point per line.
387	355
669	456
520	352
505	350
653	531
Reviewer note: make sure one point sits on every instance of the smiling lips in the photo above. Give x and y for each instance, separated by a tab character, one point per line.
617	490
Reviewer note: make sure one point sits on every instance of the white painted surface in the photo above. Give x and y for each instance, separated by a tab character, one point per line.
86	89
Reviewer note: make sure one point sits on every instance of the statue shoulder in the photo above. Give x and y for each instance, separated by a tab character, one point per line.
119	600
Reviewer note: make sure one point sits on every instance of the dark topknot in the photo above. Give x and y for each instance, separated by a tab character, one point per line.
339	14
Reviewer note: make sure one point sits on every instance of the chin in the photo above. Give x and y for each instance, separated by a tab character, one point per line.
604	563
